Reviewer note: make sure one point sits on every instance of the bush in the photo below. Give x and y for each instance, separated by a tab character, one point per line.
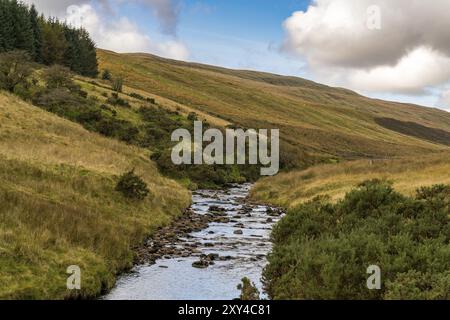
117	84
15	68
322	250
249	292
192	116
137	96
57	77
151	100
115	100
106	75
132	186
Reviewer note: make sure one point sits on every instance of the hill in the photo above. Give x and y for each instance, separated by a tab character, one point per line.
60	207
335	180
58	178
317	122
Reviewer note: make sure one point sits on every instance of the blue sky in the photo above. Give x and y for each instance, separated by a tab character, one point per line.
406	59
230	33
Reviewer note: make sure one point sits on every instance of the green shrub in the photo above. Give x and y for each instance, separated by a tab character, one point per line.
132	186
15	68
137	96
151	100
115	100
322	250
117	84
106	75
192	116
249	292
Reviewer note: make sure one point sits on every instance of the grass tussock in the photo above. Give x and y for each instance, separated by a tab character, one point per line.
60	206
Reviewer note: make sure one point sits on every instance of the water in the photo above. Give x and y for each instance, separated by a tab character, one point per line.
177	279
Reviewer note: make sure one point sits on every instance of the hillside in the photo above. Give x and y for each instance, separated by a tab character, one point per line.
59	206
324	122
58	178
335	180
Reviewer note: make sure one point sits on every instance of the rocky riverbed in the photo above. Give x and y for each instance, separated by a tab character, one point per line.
205	253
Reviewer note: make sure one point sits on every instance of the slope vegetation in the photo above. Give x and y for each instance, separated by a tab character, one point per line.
317	122
335	180
60	208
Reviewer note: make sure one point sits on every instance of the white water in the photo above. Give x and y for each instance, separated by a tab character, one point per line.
176	279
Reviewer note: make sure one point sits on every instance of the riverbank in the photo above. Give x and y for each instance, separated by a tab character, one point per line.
60	207
205	254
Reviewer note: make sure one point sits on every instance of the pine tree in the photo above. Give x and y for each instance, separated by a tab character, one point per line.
7	38
47	41
37	34
54	42
24	39
72	55
88	55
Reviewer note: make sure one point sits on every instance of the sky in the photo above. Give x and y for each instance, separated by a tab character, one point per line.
389	49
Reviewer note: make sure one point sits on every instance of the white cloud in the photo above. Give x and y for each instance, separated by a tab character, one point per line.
166	11
409	53
444	100
122	35
115	32
418	69
55	8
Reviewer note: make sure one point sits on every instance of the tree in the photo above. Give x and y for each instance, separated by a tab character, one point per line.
37	34
7	39
54	42
88	55
47	41
23	32
15	68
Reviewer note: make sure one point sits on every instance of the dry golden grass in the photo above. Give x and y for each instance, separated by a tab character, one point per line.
407	174
320	120
59	206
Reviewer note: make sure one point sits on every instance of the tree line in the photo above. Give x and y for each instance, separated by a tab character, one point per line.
47	40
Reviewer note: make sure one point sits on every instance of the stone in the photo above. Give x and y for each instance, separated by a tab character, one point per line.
200	264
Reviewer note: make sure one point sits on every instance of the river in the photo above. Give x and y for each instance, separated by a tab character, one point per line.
235	247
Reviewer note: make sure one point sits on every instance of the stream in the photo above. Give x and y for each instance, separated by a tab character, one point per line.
230	248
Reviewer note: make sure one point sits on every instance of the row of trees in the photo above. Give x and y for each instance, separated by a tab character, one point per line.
47	41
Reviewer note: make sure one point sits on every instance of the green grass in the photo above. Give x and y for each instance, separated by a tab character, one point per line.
59	206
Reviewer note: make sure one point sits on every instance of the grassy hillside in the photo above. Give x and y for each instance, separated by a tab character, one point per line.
335	180
60	207
324	122
57	179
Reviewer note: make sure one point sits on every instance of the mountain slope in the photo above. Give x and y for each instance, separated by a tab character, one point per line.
325	122
60	208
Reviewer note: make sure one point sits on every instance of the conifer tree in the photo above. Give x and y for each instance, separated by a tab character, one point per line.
37	34
7	38
22	30
47	41
54	42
